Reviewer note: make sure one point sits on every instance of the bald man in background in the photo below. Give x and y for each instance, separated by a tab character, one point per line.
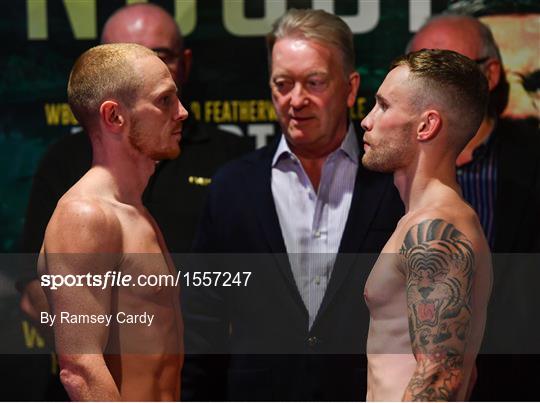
151	26
175	193
498	173
487	167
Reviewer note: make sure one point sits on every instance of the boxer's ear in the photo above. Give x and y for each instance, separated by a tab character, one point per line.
111	116
429	126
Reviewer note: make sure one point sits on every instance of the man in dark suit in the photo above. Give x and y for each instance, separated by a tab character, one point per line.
299	211
499	173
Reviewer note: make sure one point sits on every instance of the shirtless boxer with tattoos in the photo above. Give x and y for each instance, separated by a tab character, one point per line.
428	291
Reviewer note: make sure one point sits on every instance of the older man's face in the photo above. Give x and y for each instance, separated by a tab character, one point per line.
311	94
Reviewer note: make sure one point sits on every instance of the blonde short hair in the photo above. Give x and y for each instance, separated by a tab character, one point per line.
104	72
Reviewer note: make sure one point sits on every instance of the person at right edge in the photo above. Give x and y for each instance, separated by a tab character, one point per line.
304	208
499	174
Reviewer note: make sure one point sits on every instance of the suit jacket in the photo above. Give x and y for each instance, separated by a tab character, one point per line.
517	208
265	325
512	330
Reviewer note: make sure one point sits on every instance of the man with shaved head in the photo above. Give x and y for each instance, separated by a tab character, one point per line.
125	98
497	172
151	26
469	37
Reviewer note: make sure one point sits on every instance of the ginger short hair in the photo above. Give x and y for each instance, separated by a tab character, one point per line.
101	73
453	83
317	25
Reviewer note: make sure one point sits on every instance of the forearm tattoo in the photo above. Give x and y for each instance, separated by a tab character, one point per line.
439	262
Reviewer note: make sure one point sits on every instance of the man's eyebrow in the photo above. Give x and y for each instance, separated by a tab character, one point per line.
170	88
284	74
380	99
318	73
165	90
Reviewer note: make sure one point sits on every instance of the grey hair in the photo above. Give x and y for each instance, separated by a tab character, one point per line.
318	25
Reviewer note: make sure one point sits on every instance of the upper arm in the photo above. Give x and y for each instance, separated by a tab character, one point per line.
81	238
439	262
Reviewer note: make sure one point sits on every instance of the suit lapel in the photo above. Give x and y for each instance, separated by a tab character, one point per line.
369	189
263	203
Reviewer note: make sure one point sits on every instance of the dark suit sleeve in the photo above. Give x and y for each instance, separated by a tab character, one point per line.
536	243
205	314
44	195
64	163
43	198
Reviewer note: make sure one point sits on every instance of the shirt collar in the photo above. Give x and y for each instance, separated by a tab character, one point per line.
349	147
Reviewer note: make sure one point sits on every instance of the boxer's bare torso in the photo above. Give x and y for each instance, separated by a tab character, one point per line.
93	230
431	285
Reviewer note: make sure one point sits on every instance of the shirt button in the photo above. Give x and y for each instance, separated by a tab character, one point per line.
317	234
313	341
317	280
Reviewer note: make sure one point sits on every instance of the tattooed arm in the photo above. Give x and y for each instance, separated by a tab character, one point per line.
439	263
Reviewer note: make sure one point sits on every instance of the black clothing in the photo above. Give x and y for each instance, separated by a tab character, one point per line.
506	368
265	325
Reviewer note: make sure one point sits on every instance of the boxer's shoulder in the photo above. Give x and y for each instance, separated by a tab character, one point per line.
83	224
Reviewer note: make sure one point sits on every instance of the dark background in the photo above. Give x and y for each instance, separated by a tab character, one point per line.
225	67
